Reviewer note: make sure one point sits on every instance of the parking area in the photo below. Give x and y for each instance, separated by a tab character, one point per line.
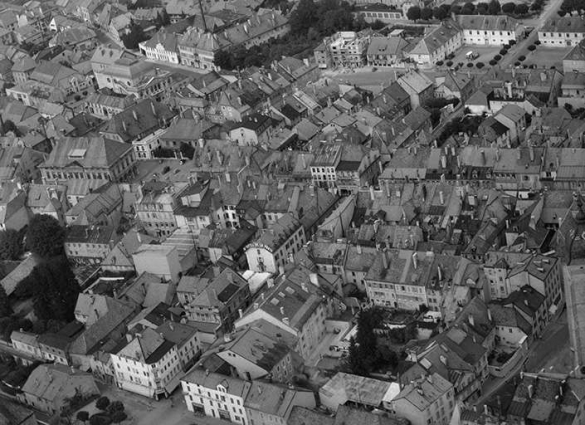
486	53
545	57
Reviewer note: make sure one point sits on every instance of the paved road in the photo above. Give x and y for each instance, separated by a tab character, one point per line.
521	48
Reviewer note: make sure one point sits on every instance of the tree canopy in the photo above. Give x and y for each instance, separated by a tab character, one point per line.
45	236
10	245
53	289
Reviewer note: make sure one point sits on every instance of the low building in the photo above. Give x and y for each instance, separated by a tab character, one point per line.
437	44
216	395
386	51
89	245
272	404
489	30
49	387
345	388
147	364
562	31
162	47
430	399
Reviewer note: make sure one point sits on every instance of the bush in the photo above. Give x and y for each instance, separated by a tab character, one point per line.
102	403
449	64
512	42
537	42
503	52
532	47
480	65
497	57
522	58
517	63
493	62
470	65
100	419
460	64
439	63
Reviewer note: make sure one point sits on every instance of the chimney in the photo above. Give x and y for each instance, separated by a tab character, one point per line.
359	249
441	197
304	286
443	161
415	260
489	314
530	391
471	320
240	313
314	278
282	310
440	273
135	115
153	108
531	153
372	195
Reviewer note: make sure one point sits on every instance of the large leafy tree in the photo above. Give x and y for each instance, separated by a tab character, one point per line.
45	236
303	17
53	289
5	309
10	245
413	13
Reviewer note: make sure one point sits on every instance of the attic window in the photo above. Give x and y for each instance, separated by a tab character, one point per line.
77	153
290	290
274	301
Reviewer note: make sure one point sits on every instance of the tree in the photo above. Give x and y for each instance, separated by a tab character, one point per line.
53	289
303	17
45	237
440	13
426	13
494	7
521	9
187	150
223	60
118	416
413	13
455	9
102	403
377	25
482	8
134	37
115	406
509	7
468	9
10	126
82	416
10	245
5	309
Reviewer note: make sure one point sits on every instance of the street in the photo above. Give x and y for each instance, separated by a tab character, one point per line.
550	10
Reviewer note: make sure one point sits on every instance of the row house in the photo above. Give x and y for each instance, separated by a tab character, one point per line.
562	31
89	244
489	30
346	168
149	362
156	208
220	300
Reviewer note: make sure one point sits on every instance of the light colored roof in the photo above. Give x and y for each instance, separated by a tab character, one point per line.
345	387
19	273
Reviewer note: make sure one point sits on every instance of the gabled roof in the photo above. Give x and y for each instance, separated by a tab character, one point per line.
87	152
